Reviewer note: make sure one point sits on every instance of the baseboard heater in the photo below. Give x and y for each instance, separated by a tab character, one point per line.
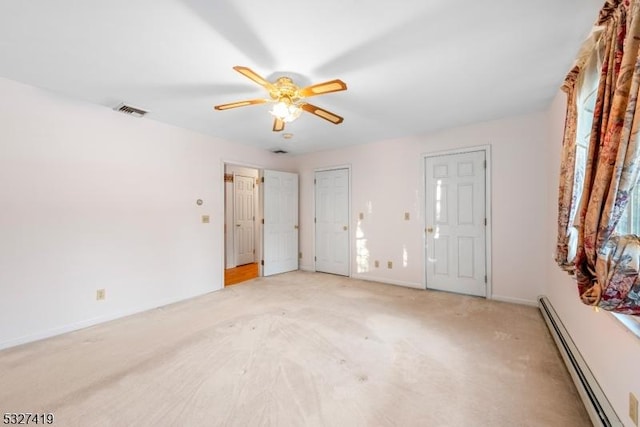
595	401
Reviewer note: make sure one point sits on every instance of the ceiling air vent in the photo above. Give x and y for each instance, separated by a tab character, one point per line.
132	111
278	151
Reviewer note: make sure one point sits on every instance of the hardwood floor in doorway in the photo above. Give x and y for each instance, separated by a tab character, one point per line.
240	274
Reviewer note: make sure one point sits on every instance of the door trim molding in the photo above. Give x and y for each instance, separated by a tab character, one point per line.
259	235
487	206
351	220
283	228
254	230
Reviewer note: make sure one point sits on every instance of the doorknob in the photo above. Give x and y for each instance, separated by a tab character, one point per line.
430	230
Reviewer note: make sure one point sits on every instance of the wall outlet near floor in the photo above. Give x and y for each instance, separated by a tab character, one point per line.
100	295
389	264
376	264
633	408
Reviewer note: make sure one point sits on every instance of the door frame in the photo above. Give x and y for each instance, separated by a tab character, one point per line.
258	222
254	229
351	221
487	206
281	245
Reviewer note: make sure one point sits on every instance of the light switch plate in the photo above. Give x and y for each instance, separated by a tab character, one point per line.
376	264
389	264
361	216
100	295
406	216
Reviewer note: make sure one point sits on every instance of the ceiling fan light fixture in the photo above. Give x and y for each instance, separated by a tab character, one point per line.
288	98
286	111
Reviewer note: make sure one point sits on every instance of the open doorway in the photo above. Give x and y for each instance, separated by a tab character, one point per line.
242	235
260	222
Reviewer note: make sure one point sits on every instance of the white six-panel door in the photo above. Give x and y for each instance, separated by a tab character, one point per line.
332	221
244	217
456	223
280	222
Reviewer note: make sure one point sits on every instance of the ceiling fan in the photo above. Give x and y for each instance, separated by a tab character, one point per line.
288	98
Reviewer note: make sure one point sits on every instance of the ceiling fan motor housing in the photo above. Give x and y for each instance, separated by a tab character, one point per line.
284	90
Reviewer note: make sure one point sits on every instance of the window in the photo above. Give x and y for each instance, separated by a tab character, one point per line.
597	168
630	224
586	96
630	220
587	87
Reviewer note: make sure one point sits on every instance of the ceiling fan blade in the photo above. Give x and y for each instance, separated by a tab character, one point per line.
240	104
327	115
321	88
278	125
248	72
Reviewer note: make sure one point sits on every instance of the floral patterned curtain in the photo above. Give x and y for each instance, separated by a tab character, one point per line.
567	197
607	265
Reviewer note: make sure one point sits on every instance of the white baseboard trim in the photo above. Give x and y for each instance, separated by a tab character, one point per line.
95	321
595	401
307	267
514	300
388	281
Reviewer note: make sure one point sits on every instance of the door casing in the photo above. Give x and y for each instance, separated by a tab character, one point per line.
259	214
351	222
487	151
281	227
345	233
237	225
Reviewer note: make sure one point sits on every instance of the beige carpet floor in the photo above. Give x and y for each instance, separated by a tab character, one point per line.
302	349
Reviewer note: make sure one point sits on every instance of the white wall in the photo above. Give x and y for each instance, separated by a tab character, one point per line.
91	198
387	180
610	349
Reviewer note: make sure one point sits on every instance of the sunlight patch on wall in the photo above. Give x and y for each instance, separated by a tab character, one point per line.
405	256
362	253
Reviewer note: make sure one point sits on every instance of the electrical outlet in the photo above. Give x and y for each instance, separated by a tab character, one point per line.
406	216
361	216
633	408
389	264
205	219
100	295
376	264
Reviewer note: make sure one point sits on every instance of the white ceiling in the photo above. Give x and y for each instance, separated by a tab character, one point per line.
412	66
